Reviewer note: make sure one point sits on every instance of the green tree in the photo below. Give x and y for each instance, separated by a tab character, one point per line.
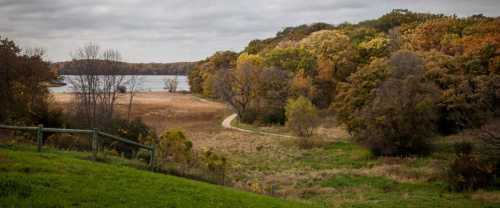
302	116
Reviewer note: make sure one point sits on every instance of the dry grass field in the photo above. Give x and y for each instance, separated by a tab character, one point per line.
334	172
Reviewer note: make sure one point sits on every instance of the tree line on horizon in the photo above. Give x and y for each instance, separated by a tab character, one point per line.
175	68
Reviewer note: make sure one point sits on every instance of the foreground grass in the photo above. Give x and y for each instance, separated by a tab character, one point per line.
67	179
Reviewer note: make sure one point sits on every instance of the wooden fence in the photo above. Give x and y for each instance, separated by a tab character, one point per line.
94	134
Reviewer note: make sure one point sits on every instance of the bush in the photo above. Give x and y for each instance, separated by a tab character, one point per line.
175	147
302	116
135	130
467	172
248	116
216	164
144	155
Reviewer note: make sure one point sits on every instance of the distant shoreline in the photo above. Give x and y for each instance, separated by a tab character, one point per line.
176	68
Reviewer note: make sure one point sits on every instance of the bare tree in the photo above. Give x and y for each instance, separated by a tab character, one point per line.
133	85
96	84
171	84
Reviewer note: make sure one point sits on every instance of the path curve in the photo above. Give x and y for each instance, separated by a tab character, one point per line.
226	123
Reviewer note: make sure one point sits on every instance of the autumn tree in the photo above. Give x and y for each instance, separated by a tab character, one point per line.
245	84
291	59
201	78
195	80
460	58
398	17
302	85
335	57
401	118
273	95
359	92
24	75
334	52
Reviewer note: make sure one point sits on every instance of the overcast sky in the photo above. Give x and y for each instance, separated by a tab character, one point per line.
180	30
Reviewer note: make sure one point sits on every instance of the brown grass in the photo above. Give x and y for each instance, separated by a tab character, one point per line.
199	118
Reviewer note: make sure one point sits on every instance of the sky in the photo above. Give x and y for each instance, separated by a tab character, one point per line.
180	30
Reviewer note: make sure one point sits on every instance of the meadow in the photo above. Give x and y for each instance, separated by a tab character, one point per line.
333	172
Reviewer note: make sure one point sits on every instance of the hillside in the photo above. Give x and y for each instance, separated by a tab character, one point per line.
177	68
64	179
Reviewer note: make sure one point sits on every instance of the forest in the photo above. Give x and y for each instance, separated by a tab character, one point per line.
394	83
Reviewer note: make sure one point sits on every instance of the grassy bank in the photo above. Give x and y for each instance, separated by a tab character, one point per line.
67	179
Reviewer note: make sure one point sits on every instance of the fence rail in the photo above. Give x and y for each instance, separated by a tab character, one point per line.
94	134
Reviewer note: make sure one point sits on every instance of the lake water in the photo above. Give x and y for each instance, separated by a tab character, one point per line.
149	83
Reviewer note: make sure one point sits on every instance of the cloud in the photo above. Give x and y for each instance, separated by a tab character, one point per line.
177	30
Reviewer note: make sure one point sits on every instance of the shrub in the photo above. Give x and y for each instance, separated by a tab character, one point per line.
175	147
216	164
135	130
302	116
468	172
132	130
144	155
249	115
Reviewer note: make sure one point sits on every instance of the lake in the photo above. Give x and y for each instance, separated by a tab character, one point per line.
149	83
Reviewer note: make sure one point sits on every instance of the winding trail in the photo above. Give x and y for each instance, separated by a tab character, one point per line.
226	123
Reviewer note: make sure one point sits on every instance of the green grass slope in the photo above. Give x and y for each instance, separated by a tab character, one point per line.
66	179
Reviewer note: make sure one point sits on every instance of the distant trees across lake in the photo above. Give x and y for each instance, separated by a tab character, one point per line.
177	68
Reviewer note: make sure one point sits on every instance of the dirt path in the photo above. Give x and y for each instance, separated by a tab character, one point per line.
226	123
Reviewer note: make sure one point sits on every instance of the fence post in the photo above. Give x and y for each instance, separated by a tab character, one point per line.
94	144
152	159
39	137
